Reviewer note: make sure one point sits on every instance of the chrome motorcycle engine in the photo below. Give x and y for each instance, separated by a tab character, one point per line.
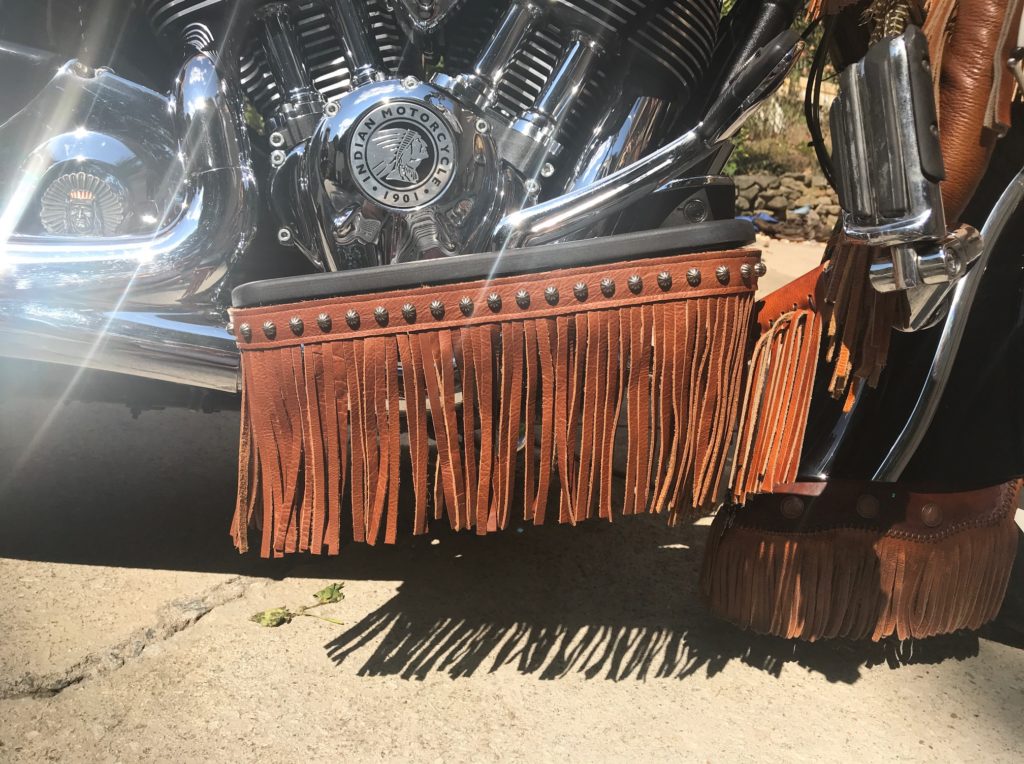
404	129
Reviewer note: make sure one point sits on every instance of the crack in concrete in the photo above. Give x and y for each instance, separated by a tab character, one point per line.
172	618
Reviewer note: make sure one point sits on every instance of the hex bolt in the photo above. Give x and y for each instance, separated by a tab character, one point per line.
277	157
277	140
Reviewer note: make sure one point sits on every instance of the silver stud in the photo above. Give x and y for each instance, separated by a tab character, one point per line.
867	506
551	295
352	319
722	274
297	326
466	306
437	309
931	515
277	140
581	291
332	109
269	329
760	268
635	284
523	299
409	312
246	331
746	271
380	315
693	277
607	287
324	322
665	280
792	507
494	301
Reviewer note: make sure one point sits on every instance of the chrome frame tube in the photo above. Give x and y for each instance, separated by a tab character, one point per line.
281	46
480	85
563	88
913	432
352	26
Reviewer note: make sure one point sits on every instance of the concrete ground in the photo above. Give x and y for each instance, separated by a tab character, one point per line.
125	632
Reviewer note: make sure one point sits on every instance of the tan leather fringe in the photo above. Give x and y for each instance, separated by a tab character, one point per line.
780	380
858	319
324	422
858	583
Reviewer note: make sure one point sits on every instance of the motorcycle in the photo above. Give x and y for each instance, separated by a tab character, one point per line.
472	246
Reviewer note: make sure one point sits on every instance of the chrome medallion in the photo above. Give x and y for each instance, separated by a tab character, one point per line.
82	204
402	154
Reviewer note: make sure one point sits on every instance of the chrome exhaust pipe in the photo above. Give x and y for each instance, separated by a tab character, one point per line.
143	305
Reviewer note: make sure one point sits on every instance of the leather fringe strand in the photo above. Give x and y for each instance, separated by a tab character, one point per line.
334	416
859	584
778	398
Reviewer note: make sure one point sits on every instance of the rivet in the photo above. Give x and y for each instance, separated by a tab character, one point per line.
867	506
466	306
380	315
760	268
792	507
722	274
931	515
607	287
693	277
409	312
324	322
523	299
635	283
665	280
352	319
581	291
437	309
297	326
746	271
246	331
494	301
551	295
269	329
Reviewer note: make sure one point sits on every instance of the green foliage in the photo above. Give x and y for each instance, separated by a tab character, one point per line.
279	616
330	594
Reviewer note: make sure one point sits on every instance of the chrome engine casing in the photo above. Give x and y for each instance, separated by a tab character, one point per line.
541	96
396	171
126	212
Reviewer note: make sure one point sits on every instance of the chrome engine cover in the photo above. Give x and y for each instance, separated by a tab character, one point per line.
396	170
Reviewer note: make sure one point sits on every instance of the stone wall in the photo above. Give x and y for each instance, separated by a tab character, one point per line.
803	204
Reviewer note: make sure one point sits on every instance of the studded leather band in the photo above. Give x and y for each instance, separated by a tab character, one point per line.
536	295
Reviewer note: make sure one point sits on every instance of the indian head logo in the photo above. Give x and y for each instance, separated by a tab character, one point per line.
82	204
402	154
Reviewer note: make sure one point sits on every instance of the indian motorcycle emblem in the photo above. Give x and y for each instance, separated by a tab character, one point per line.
402	154
81	204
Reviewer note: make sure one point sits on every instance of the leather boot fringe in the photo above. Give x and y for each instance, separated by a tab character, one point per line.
328	418
860	583
778	398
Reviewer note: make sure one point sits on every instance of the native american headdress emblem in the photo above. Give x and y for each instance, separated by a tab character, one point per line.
82	204
396	154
